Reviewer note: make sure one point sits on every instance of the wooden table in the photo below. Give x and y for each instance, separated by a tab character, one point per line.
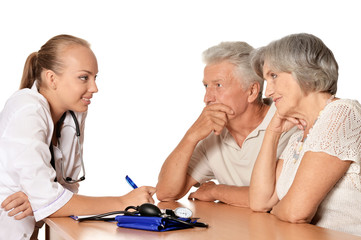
225	222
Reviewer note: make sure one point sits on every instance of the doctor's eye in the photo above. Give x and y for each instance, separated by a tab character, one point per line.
219	85
84	78
205	85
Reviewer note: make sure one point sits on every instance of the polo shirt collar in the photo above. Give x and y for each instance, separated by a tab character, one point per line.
228	139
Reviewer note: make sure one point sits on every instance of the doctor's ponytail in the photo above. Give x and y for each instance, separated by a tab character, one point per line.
47	58
30	73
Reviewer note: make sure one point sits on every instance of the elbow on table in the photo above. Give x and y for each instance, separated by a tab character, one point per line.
297	217
166	196
256	207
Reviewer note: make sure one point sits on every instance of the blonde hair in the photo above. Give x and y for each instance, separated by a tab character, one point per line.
48	57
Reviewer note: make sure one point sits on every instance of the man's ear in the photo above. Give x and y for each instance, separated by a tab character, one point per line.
50	79
253	92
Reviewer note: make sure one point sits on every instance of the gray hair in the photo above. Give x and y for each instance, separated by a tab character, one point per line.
237	53
303	55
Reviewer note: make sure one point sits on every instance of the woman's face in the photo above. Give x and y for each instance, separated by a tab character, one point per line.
76	85
283	88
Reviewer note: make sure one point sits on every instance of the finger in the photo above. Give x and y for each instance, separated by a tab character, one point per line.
151	200
13	212
5	202
20	216
191	196
13	204
19	208
218	130
9	199
209	183
303	122
293	120
152	190
214	124
220	107
27	212
14	200
220	120
216	114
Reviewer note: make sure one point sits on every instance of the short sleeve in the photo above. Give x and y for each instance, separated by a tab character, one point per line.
338	131
198	166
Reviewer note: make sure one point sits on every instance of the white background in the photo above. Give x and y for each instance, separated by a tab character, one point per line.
150	68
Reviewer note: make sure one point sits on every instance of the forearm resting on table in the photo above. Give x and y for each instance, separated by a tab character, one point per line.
173	181
292	214
262	194
232	195
84	205
317	174
170	193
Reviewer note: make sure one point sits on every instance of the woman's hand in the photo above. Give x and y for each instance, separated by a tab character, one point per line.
19	205
138	196
280	124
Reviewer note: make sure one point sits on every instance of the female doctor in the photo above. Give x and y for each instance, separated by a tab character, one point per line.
38	132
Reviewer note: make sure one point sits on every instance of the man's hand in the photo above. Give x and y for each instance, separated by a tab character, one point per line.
19	205
204	192
214	117
173	180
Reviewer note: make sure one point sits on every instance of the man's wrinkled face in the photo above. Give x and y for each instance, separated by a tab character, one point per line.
223	87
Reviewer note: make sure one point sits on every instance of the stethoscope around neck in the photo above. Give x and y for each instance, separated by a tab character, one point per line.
58	129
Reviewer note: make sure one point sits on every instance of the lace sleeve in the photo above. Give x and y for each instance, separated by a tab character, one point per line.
338	131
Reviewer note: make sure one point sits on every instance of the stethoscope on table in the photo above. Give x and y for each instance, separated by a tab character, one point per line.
58	135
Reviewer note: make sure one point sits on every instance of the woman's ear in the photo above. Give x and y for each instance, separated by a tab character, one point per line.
50	79
253	92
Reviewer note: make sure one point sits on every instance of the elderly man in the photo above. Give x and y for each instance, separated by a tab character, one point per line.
224	141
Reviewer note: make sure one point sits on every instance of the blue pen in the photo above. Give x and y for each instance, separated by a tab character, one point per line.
131	183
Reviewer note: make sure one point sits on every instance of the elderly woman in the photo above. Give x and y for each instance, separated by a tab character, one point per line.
317	178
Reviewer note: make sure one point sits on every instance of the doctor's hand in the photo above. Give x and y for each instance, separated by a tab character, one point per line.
19	205
138	196
213	118
204	192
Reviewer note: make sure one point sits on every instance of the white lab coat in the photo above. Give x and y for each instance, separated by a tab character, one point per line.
26	130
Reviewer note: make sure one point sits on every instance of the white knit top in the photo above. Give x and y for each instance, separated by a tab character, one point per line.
336	132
